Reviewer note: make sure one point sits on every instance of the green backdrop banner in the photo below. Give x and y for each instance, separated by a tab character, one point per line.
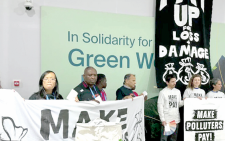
114	44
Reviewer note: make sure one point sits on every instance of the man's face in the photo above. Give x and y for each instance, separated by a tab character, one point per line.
131	82
90	76
172	83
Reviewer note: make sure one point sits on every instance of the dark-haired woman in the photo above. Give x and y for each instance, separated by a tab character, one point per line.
101	83
216	86
48	87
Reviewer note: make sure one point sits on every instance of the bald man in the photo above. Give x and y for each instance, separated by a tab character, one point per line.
86	90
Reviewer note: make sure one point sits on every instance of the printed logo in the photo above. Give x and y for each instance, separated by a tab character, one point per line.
185	72
13	132
197	95
172	101
138	130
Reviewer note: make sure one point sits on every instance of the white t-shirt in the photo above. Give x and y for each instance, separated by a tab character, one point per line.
217	94
169	101
195	93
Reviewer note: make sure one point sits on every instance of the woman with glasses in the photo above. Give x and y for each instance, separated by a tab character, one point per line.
48	87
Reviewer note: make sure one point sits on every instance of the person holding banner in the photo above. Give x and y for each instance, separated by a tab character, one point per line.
126	91
48	87
193	88
86	90
216	86
168	104
101	83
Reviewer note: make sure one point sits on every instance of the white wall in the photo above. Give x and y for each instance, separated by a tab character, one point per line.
20	33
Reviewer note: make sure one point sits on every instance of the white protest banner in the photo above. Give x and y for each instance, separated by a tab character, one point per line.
204	119
38	120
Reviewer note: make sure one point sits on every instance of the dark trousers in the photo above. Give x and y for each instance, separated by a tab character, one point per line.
172	137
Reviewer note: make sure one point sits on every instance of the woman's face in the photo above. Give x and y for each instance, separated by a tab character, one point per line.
218	86
49	81
196	82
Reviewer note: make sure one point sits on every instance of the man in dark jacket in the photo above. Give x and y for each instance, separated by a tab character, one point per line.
86	90
126	91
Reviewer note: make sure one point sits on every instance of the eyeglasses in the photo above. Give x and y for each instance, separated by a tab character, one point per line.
51	79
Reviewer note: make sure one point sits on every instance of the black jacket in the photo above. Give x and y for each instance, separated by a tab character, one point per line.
36	96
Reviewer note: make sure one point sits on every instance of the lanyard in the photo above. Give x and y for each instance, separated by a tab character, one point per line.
103	92
47	98
93	92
